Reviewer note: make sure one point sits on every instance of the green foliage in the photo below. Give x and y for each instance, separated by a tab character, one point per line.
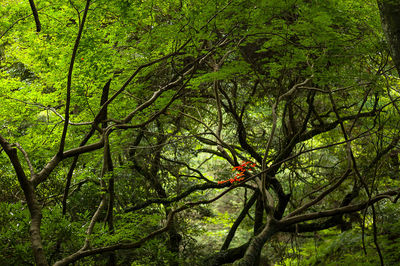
182	123
15	247
330	247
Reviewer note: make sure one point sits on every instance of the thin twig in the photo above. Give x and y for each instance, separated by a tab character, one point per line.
31	169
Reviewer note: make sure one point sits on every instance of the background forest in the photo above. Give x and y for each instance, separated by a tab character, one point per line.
187	132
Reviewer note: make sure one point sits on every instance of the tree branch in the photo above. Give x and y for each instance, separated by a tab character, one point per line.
69	81
35	15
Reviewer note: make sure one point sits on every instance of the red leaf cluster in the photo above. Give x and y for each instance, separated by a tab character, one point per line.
245	166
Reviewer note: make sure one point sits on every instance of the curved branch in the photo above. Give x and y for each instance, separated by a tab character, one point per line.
85	253
28	161
341	210
321	196
69	81
189	191
15	23
45	172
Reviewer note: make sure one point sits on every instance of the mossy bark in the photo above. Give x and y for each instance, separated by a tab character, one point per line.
390	17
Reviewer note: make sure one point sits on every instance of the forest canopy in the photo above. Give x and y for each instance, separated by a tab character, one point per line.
186	132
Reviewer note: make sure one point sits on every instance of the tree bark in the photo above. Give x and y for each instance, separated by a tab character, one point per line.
390	18
32	202
252	254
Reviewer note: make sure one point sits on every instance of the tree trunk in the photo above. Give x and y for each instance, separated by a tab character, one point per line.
257	242
390	17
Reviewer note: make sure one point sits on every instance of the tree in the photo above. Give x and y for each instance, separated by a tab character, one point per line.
389	11
123	119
